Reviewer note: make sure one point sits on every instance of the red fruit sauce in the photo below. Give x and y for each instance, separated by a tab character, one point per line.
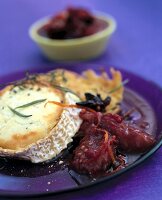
72	23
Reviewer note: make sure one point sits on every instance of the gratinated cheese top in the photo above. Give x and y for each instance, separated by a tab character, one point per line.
17	132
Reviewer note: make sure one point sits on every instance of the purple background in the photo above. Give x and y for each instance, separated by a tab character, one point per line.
136	46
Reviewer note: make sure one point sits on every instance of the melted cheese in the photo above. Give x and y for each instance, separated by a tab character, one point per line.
46	133
17	132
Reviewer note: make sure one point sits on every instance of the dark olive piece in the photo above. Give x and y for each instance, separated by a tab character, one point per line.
95	102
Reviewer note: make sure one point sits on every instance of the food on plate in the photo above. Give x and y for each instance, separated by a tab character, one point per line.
130	138
95	152
89	82
43	114
104	137
72	23
29	129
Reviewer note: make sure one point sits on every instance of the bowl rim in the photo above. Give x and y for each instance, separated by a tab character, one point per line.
33	32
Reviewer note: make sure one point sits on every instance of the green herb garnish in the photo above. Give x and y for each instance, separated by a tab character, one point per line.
21	87
64	79
31	103
64	89
118	87
53	76
60	75
24	106
18	113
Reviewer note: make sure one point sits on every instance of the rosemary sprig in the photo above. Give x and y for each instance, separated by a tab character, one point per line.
64	79
31	77
21	87
64	89
53	76
21	82
31	103
119	86
23	106
61	75
18	113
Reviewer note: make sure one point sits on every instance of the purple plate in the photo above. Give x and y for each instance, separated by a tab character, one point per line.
23	179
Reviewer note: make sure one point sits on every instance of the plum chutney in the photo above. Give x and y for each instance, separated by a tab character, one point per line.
107	139
72	23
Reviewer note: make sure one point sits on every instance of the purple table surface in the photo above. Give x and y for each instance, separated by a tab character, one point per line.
136	46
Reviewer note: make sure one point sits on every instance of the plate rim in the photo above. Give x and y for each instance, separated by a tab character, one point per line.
144	157
102	180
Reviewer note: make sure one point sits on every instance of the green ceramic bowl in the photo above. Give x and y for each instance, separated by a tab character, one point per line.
73	49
